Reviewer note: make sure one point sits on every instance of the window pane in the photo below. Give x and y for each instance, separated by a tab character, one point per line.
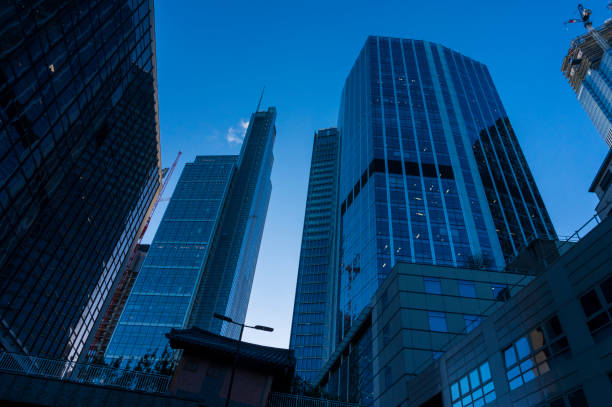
465	388
432	286
522	347
510	356
437	321
553	327
537	338
590	303
474	380
512	373
455	391
467	289
488	388
485	372
577	399
490	397
518	382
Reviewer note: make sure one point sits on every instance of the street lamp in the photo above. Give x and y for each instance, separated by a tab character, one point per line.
242	326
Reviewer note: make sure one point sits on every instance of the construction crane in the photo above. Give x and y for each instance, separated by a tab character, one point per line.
585	18
166	177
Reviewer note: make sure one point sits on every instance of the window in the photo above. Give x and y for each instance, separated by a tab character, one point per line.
432	285
471	322
597	307
467	289
496	289
474	389
574	398
437	321
530	355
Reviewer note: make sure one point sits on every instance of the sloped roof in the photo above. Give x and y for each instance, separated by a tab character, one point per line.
222	348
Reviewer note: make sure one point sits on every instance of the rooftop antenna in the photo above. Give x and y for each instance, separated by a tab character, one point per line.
261	97
585	18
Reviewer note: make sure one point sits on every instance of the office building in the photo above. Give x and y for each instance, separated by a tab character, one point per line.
431	171
203	255
313	294
548	346
79	163
588	68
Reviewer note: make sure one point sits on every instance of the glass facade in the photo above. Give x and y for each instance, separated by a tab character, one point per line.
310	328
203	256
431	170
595	96
230	269
79	162
163	291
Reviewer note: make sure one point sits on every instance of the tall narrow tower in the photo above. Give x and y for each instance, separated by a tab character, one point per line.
314	299
203	256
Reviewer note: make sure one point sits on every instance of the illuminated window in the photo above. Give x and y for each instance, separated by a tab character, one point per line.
530	355
474	389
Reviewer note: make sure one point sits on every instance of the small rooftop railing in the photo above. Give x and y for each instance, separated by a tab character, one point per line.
584	230
292	400
85	373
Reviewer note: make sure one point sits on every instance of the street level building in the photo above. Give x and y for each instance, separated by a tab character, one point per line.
203	256
79	163
548	346
313	295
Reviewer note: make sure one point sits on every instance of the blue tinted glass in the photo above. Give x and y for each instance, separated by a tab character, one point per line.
490	397
518	382
467	289
488	388
455	391
465	386
510	356
485	373
432	285
522	347
512	373
437	321
474	380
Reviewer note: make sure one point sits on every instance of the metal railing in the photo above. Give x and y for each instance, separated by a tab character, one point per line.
292	400
584	229
83	373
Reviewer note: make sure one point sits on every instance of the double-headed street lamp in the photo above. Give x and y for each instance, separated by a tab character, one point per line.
242	326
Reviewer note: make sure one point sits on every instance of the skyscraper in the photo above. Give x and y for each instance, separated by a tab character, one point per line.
79	163
431	171
203	256
310	328
588	68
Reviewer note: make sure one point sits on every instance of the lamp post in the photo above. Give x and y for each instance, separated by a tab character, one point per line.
242	326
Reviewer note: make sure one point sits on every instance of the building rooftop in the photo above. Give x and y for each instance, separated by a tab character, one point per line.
208	344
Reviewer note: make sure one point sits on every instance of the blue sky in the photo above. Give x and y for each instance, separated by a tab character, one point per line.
213	59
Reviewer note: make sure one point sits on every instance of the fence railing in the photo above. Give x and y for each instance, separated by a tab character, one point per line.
83	373
292	400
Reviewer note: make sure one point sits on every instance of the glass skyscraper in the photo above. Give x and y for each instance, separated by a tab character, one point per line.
588	68
430	170
203	256
310	328
79	162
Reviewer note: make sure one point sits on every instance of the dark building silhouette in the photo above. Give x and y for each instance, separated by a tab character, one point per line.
79	162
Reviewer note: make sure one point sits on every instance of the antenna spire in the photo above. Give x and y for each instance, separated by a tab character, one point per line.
261	97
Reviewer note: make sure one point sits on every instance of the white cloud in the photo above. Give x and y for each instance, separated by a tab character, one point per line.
235	134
